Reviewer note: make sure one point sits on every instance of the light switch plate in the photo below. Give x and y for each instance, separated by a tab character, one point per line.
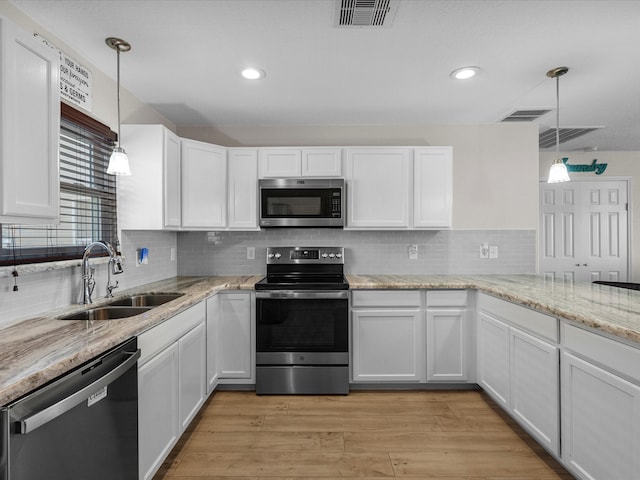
493	251
251	253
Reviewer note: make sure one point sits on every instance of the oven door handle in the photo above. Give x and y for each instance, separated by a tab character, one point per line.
303	295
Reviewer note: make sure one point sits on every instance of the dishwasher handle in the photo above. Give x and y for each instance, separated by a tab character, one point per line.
30	423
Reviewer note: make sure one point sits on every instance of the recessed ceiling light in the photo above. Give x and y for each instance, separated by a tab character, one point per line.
464	73
253	73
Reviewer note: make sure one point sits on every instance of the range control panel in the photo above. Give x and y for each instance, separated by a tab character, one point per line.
317	255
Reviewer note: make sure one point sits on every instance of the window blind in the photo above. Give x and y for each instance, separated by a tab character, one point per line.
88	208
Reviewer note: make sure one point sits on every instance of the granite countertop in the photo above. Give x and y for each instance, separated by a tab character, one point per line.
609	309
37	350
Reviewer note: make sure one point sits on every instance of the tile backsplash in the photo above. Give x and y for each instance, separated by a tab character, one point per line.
439	252
225	253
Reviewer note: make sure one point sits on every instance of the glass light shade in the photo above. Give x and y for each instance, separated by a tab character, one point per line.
119	163
558	173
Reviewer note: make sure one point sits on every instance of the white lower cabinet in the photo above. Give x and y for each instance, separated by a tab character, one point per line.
600	406
449	337
387	336
158	423
171	384
234	358
520	369
213	343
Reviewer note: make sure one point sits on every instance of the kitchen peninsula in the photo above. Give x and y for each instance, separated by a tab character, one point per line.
532	343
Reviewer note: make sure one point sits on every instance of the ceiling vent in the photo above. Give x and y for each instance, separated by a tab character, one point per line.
548	137
526	115
365	13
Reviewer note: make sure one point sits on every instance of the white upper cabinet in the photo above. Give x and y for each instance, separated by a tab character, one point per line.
300	162
432	187
29	128
378	187
204	185
243	188
321	162
150	198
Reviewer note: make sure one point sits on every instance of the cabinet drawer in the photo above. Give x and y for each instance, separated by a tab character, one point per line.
614	355
159	337
536	322
446	298
385	298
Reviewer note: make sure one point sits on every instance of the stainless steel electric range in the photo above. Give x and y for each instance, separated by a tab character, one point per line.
302	322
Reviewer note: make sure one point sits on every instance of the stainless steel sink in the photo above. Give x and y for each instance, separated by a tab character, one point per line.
106	313
145	300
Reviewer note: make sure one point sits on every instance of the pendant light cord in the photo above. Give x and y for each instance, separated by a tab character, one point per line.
118	92
557	118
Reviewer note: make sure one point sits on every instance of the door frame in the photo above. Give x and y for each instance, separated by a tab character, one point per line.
628	181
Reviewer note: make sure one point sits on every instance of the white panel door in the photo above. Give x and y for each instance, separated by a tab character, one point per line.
243	189
192	381
493	358
378	188
172	196
388	345
584	230
433	187
279	162
447	345
600	422
236	336
204	185
321	162
535	387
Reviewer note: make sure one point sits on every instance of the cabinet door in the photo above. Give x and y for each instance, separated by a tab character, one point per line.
213	342
29	128
204	185
280	162
448	345
321	162
378	189
535	385
600	422
159	426
433	187
493	358
388	345
243	189
172	191
236	336
192	348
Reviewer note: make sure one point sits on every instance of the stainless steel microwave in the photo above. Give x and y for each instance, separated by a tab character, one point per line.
301	202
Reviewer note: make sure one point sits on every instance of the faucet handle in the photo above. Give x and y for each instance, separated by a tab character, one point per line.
116	265
110	288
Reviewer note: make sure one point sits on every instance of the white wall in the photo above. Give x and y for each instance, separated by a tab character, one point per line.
495	166
619	164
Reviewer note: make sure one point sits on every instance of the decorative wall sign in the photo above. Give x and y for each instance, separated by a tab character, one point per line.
76	80
594	166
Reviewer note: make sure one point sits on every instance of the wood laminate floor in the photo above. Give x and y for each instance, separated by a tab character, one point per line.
450	435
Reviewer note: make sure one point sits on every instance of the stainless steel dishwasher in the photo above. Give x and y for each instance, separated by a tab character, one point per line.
81	426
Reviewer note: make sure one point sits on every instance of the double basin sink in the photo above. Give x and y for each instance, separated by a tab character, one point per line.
124	307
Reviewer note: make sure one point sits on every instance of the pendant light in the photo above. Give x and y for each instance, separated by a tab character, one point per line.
558	171
118	162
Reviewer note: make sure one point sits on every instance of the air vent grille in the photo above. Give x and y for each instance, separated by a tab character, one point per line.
548	137
526	115
365	13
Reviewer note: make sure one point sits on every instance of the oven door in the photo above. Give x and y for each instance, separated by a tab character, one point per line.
290	323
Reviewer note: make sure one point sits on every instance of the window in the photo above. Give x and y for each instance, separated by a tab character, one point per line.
87	198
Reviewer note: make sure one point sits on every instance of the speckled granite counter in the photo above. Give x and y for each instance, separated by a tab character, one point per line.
609	309
34	351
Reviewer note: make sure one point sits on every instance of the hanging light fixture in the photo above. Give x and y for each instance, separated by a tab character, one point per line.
118	162
558	171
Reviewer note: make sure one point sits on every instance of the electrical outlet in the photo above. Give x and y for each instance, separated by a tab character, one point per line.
493	251
413	252
484	250
251	253
172	254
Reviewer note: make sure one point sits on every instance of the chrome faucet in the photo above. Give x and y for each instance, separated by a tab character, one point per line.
88	282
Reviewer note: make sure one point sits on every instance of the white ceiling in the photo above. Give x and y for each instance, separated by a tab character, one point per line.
187	56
